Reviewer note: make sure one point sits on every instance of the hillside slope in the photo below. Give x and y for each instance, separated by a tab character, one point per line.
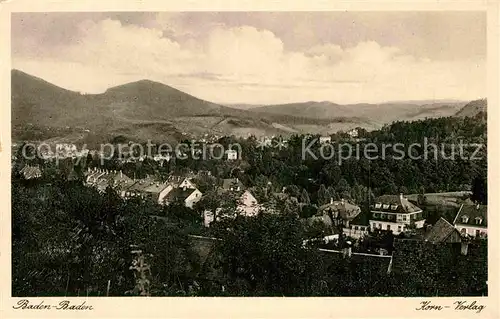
473	108
383	113
139	110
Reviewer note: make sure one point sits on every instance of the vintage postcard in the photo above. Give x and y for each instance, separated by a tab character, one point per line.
291	159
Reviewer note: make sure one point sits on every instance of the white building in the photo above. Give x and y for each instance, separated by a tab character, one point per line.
188	196
353	133
395	213
325	139
187	183
471	220
246	205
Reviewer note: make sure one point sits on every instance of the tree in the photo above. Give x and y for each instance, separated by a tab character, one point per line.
323	195
479	190
264	255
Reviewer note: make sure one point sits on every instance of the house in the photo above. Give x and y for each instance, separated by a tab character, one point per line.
147	188
340	212
231	155
102	178
161	158
325	139
187	183
353	133
158	191
472	220
246	205
359	226
232	184
31	172
442	232
186	195
395	213
66	150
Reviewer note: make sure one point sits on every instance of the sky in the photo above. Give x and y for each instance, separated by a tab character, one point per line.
261	57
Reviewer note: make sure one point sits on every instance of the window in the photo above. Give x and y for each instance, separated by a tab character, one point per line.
404	217
375	215
382	216
378	205
399	228
380	226
361	228
388	227
478	232
386	206
463	231
374	225
479	220
355	227
465	219
394	207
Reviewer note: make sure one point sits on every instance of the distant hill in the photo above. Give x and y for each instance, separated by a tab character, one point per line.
139	110
375	113
145	110
243	106
473	108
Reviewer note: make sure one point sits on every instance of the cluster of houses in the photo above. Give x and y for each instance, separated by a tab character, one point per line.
163	193
176	188
397	214
393	213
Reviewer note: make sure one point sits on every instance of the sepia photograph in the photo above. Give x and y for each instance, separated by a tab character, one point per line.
249	154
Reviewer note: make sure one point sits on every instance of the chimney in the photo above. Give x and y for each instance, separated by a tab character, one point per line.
343	201
121	174
464	248
401	196
477	206
331	200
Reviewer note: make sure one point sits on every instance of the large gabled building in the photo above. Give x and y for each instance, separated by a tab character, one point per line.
395	213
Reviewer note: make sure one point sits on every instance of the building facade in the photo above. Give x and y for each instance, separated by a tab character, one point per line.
471	220
395	213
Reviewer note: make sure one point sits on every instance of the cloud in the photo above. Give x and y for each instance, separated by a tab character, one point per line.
244	64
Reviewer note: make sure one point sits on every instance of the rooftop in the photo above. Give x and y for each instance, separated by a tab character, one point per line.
474	215
441	231
232	184
394	204
345	209
179	194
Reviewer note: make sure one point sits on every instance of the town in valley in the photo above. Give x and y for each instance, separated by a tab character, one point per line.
164	155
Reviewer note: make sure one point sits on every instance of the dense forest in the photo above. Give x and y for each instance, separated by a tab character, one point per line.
355	178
